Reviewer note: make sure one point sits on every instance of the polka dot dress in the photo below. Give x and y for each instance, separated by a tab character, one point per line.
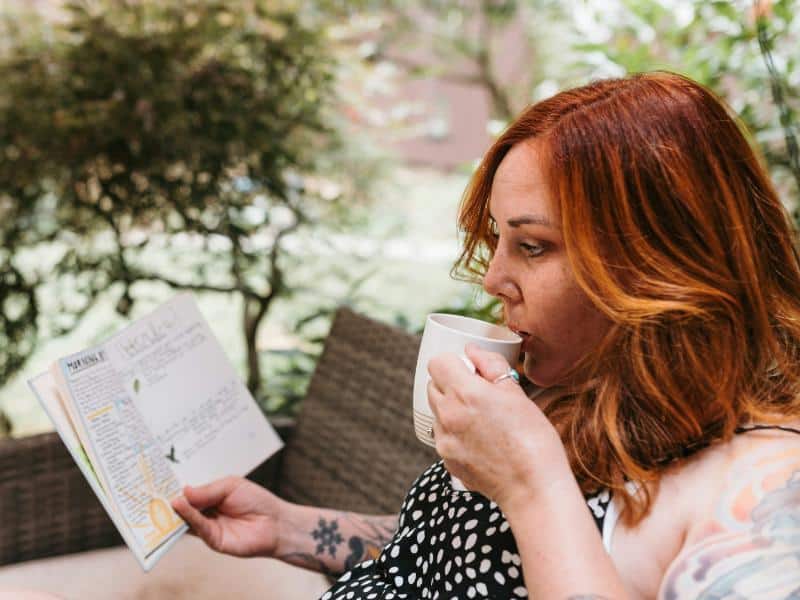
449	544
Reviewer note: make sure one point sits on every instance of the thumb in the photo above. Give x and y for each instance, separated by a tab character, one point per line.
212	494
200	525
490	365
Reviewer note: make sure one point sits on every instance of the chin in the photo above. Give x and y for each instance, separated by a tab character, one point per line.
537	373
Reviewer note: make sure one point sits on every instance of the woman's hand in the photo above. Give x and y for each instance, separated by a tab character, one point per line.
491	435
241	518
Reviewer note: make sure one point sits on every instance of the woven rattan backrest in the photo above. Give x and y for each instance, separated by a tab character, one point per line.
354	446
46	506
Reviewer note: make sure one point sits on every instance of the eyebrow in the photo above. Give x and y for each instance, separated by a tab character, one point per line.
528	220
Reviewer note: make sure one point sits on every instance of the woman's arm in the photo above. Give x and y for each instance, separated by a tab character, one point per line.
331	541
236	516
495	440
562	555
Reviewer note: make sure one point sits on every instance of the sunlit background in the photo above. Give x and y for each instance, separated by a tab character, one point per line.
281	158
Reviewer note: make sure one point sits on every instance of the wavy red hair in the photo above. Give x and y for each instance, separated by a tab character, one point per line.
674	231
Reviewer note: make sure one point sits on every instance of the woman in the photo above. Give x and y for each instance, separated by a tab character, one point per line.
638	247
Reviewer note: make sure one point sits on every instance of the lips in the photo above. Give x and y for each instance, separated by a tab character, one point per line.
518	331
526	338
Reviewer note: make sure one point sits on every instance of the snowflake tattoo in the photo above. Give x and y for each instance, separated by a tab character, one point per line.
327	534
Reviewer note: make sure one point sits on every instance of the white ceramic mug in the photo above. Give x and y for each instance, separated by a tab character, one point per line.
450	333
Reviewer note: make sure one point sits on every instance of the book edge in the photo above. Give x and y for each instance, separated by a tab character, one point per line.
145	562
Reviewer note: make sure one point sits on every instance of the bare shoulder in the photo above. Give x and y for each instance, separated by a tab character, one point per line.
743	536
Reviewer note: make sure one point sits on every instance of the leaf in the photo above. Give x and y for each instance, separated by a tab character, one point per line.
726	9
136	385
590	47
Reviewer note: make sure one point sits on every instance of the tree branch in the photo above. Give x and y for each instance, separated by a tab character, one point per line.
197	287
776	85
500	100
480	57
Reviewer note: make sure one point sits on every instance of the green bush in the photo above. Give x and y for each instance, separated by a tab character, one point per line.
197	130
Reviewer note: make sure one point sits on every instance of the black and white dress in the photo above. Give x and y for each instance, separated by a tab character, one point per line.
449	544
456	544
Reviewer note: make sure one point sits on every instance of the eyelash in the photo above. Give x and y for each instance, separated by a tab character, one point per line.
531	250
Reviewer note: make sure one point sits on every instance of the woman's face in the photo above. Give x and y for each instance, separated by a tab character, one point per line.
531	275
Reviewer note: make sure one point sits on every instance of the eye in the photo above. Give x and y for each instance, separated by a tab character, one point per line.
531	250
494	230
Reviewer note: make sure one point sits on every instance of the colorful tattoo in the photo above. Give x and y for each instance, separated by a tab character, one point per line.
752	549
374	534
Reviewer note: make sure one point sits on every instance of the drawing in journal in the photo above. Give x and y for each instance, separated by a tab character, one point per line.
155	407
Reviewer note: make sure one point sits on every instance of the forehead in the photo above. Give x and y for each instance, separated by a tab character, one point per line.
519	185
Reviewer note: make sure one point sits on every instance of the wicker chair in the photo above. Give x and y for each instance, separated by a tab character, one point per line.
353	448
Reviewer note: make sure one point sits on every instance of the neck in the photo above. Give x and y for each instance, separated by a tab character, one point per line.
542	397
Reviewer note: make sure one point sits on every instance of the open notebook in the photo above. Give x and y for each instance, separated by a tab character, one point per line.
155	407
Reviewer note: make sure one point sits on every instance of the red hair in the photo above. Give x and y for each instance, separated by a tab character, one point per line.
674	231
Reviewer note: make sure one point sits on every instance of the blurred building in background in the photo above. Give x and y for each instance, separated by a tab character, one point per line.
438	112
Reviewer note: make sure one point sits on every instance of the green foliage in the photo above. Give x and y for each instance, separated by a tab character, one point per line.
18	312
195	130
205	132
290	370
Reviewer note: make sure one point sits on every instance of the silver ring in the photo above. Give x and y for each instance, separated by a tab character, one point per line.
429	431
510	374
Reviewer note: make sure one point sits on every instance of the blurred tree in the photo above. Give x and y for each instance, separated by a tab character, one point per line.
503	47
786	113
500	46
135	130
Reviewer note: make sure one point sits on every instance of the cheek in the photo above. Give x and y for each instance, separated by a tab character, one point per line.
581	323
568	327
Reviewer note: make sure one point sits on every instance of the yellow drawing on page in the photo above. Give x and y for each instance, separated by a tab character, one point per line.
161	520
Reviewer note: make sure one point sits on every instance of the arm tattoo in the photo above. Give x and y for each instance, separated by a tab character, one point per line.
338	541
753	549
369	536
309	561
327	536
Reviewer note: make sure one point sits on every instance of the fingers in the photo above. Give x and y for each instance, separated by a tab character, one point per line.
433	400
447	417
201	525
490	365
434	397
196	499
179	505
449	370
212	494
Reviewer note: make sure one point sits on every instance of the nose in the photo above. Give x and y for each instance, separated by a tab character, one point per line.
498	281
